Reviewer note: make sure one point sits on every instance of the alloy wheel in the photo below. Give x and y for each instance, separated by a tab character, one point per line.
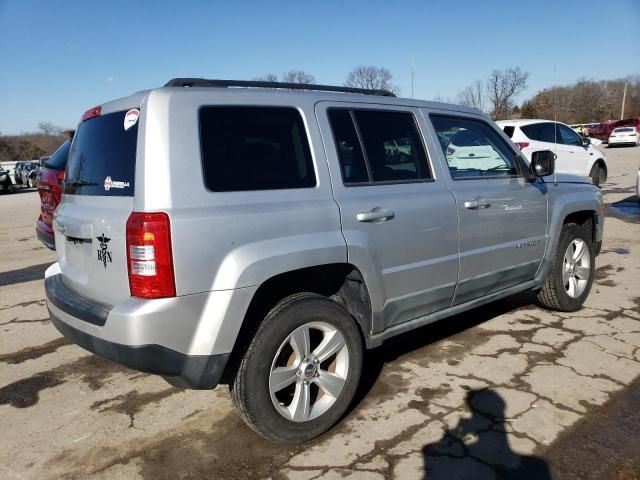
576	268
309	371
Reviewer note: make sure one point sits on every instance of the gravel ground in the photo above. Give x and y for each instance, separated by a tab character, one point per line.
506	389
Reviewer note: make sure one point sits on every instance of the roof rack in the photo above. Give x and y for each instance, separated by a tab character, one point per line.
203	82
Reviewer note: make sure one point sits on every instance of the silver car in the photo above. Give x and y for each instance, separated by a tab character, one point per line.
321	222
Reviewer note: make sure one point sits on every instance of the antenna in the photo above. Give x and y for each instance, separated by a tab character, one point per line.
555	119
413	74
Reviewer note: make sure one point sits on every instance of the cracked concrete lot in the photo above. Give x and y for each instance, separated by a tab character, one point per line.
507	390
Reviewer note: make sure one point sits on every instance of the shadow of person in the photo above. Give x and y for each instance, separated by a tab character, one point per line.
478	448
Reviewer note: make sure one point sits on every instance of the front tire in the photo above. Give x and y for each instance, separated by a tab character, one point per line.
597	175
301	370
571	273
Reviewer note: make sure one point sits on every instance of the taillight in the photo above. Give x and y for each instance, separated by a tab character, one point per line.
91	113
149	256
522	145
60	177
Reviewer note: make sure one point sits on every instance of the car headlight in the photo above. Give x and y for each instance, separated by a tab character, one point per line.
3	177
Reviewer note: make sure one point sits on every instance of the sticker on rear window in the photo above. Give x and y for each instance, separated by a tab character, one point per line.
131	118
109	184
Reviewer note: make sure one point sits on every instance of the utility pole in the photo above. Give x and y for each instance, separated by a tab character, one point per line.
624	97
412	75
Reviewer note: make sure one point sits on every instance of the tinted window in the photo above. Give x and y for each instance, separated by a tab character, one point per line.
102	157
473	149
352	164
392	145
509	131
542	132
59	158
254	148
567	136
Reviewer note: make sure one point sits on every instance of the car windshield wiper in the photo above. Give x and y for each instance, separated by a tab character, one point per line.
498	168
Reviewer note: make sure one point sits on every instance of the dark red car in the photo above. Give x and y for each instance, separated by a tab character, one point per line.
605	128
49	182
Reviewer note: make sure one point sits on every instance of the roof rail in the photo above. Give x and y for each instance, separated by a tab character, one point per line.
203	82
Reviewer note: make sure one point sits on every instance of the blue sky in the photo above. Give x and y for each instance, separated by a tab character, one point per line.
58	58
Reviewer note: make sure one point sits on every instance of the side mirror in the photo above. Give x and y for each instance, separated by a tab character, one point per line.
586	141
543	163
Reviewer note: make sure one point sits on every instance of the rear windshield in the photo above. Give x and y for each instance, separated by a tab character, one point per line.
622	130
59	158
102	157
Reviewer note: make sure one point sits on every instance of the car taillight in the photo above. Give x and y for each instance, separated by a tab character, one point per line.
522	145
60	177
149	256
92	113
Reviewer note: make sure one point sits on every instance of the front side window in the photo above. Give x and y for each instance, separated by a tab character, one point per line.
255	148
381	147
473	149
567	136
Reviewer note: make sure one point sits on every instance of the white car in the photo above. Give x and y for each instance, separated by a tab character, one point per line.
574	154
624	136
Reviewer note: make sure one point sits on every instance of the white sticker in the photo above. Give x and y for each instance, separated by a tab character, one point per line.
109	184
131	118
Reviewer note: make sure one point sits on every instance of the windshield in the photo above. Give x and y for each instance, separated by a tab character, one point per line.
102	157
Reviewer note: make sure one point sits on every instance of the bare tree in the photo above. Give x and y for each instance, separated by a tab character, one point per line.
298	76
48	128
267	77
473	96
371	77
502	88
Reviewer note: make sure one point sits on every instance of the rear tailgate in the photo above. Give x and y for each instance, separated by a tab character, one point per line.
90	223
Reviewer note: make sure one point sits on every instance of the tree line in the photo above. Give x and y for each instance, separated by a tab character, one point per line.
33	145
585	101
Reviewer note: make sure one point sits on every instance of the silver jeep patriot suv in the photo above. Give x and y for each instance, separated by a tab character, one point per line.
262	235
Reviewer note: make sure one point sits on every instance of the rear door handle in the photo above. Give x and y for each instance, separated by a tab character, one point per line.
477	204
376	215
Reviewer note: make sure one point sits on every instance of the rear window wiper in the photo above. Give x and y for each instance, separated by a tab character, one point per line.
81	183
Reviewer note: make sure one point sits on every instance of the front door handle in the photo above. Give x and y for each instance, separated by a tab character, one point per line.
477	204
376	215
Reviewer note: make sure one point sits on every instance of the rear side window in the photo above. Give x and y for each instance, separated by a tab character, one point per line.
59	158
254	148
102	158
381	147
509	131
541	132
352	163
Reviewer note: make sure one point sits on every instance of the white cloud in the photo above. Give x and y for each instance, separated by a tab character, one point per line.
108	80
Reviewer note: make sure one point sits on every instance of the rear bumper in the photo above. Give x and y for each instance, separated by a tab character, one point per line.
185	339
184	371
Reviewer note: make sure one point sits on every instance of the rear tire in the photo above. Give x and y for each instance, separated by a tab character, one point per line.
572	270
301	370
